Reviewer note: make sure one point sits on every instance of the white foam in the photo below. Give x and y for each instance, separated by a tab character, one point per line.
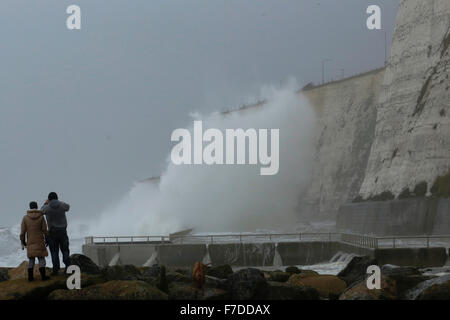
222	198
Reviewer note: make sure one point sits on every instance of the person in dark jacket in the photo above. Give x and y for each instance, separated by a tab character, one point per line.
55	212
33	235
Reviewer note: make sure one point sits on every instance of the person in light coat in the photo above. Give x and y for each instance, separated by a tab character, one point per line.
33	235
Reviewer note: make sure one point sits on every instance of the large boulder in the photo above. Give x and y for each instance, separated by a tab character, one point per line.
434	289
247	284
154	275
405	278
19	289
185	291
293	270
85	263
328	286
390	270
112	290
151	272
295	278
359	291
177	277
221	272
436	292
184	271
356	269
4	274
126	272
278	276
308	273
213	282
216	294
162	283
284	291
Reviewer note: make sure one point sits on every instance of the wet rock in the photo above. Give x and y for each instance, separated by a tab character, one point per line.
19	289
127	272
184	271
177	277
221	272
390	270
284	291
434	289
295	278
278	276
85	263
436	292
213	282
247	284
405	277
185	291
308	273
162	283
216	294
112	290
328	286
151	272
4	276
359	291
293	270
356	269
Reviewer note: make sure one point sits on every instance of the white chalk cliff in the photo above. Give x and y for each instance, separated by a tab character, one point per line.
388	129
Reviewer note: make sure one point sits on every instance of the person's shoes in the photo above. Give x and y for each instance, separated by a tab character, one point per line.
43	276
55	272
30	274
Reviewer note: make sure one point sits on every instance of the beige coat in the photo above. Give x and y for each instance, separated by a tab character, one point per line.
32	231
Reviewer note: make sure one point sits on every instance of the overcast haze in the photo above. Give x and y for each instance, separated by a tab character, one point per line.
86	113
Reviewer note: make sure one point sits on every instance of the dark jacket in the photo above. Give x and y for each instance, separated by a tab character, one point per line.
55	212
32	232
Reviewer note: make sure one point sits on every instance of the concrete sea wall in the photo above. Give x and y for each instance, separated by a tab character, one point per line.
419	257
255	254
408	217
242	254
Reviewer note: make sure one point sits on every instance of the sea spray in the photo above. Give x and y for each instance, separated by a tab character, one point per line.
277	261
227	197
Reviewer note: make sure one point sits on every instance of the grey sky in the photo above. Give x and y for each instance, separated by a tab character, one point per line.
85	113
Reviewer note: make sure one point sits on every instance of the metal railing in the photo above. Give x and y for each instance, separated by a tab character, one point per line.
415	241
126	239
354	239
270	237
217	238
360	240
424	241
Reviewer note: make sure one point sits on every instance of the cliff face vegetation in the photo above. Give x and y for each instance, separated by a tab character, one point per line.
441	187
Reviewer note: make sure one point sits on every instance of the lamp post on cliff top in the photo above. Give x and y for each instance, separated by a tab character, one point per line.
323	69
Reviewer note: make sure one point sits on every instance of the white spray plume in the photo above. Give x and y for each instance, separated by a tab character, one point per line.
227	198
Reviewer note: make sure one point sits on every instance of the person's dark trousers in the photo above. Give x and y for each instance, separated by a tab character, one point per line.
58	240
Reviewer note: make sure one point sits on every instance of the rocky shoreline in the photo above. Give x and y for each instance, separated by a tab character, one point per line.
222	283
